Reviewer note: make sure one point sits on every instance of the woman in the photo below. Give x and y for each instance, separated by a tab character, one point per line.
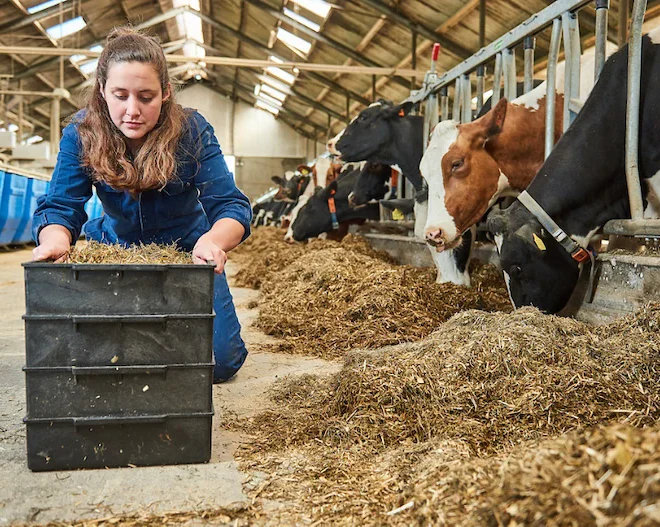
159	172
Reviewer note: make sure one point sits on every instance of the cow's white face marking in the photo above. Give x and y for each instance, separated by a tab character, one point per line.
288	237
653	208
654	35
444	135
289	174
499	240
397	168
332	143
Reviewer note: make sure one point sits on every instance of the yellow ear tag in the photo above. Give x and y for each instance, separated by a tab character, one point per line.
397	215
539	242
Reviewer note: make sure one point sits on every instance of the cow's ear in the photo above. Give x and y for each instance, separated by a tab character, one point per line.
498	222
532	233
278	180
496	117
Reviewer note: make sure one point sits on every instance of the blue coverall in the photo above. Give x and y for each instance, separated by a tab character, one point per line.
202	192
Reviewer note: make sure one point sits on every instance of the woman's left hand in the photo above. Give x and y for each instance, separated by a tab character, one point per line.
206	250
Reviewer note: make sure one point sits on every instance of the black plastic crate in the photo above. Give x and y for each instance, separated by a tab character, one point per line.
97	340
117	289
118	390
73	443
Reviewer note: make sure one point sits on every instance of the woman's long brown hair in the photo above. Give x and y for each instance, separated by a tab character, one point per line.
103	145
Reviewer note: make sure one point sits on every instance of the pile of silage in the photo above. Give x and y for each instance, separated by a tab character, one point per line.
490	380
446	431
606	475
332	300
152	253
265	253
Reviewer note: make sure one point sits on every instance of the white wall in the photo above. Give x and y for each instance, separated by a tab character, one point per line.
256	132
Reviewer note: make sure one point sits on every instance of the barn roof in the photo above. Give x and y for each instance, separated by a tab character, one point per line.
359	33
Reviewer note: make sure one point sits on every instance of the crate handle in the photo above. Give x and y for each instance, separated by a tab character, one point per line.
122	319
76	268
101	421
118	370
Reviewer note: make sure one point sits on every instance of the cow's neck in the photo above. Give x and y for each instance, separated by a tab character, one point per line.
519	149
370	211
408	146
582	184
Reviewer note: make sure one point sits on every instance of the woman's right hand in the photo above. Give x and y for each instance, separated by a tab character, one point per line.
54	243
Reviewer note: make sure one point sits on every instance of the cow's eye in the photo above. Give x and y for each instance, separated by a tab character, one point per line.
456	165
361	118
515	271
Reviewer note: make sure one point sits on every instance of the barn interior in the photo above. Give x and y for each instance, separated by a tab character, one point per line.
374	393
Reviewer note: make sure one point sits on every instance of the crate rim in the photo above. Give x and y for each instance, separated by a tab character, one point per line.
114	267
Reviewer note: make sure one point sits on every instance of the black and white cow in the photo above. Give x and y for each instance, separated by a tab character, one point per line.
372	183
581	185
315	218
386	133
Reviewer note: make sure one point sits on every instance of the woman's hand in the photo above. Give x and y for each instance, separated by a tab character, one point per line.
54	244
207	250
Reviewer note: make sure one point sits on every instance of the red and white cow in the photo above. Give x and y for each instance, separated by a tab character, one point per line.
469	166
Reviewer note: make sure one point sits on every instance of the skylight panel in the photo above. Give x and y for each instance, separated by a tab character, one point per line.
267	107
44	5
278	85
273	58
270	100
257	89
305	21
281	74
318	7
273	92
33	139
190	26
293	41
89	67
66	28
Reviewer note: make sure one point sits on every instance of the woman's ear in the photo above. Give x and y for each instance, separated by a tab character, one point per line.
102	92
168	92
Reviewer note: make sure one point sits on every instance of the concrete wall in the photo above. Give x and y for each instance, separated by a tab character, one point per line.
256	132
262	145
253	173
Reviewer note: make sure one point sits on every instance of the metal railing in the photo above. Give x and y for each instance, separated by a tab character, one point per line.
562	17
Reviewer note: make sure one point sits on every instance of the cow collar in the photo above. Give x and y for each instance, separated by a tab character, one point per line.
577	252
333	210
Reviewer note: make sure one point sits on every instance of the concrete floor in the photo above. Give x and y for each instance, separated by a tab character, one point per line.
71	495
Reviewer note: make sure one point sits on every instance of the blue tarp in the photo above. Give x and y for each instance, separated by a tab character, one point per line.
18	201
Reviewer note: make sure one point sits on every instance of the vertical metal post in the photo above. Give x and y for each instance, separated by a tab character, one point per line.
20	114
481	70
602	11
632	111
414	57
431	108
54	126
482	23
456	109
373	88
327	134
348	108
553	56
509	74
444	104
497	79
466	93
622	29
528	45
572	64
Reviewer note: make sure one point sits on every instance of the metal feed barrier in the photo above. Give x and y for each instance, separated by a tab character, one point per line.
562	17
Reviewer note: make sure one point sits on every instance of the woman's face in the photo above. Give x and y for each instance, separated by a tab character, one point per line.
134	98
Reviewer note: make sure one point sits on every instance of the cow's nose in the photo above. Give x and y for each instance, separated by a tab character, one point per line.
435	237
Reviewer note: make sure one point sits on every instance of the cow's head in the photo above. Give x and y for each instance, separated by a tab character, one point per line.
292	188
463	179
370	184
537	270
314	217
367	132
